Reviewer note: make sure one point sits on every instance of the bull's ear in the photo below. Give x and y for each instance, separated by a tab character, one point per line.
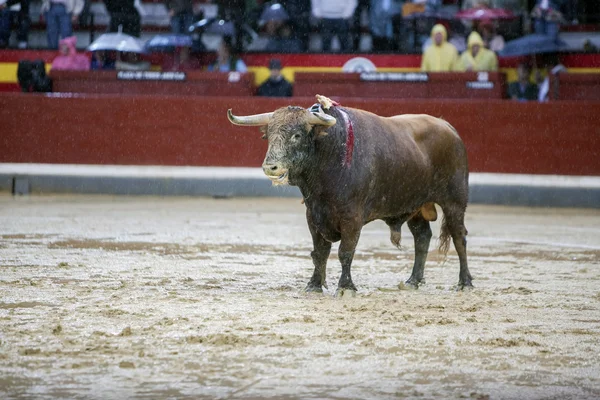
320	131
263	130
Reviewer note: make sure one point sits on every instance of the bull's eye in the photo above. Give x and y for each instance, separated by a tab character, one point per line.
296	136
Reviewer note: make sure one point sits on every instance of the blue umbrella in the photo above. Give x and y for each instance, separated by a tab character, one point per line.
168	42
533	44
273	12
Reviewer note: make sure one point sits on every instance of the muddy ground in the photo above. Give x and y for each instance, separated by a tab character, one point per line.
119	298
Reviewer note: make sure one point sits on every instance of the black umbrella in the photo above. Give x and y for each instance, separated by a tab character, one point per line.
533	44
168	42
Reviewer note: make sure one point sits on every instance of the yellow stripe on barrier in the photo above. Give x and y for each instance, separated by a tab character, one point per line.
8	72
261	74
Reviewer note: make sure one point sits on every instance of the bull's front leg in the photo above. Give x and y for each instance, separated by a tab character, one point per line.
349	240
320	254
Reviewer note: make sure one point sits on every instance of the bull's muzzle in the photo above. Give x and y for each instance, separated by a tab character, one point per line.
276	173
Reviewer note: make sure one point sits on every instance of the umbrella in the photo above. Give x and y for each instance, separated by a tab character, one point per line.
533	44
485	13
274	12
168	42
117	41
429	15
215	26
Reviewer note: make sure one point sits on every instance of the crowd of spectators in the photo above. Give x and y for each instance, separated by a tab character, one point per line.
448	44
392	25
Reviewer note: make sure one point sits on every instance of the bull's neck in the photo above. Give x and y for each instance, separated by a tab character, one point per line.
327	171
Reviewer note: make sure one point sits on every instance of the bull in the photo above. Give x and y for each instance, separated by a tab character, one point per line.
353	167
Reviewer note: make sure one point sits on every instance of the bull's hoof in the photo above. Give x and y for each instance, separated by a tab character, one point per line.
313	288
411	284
408	285
464	286
344	293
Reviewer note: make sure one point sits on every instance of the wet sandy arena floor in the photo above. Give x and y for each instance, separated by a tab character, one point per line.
118	298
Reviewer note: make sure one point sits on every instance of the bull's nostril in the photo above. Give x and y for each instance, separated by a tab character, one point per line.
274	168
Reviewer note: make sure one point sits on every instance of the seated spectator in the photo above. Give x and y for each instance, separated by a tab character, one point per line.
334	20
553	67
129	61
182	61
103	60
69	60
60	14
32	76
589	47
547	15
20	9
181	13
523	89
227	59
283	41
440	56
491	40
477	57
276	85
457	37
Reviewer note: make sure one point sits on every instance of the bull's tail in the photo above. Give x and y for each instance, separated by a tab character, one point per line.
445	236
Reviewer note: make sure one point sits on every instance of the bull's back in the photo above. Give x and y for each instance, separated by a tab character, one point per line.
415	156
434	137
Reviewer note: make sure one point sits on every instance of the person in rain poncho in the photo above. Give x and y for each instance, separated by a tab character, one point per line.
69	60
477	57
441	56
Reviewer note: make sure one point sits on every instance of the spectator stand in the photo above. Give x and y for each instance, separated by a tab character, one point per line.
155	19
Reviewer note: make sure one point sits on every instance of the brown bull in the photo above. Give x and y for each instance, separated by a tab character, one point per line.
354	167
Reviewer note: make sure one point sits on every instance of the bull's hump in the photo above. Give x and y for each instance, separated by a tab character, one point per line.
422	123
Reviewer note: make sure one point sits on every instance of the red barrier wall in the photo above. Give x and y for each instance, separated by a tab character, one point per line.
501	136
196	83
575	87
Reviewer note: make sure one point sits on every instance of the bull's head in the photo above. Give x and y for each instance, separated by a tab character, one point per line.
291	134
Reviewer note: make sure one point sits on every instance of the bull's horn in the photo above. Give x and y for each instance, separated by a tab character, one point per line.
249	120
320	118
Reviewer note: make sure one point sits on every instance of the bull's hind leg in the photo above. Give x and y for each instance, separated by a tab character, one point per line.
320	253
455	226
421	231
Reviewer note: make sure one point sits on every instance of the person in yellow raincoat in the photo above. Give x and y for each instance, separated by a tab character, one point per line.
477	57
441	56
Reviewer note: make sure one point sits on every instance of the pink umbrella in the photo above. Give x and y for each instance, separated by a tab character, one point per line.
485	13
